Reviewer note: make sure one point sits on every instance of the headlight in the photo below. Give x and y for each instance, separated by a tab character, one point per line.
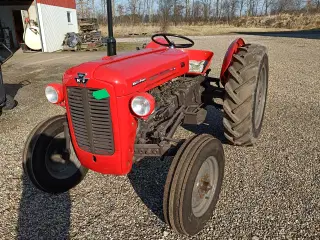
54	93
140	106
143	105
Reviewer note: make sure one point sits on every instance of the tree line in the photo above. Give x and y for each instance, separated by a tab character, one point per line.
195	11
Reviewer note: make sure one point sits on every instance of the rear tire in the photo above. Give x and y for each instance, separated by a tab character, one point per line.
246	95
193	184
46	162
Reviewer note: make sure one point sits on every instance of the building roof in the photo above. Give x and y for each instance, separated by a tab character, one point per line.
15	2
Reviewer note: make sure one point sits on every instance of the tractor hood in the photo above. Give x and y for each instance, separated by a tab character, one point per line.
132	72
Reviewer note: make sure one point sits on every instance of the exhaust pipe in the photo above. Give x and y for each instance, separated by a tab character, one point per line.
111	41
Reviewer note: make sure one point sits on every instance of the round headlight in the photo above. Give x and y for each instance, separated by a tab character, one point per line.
141	106
52	94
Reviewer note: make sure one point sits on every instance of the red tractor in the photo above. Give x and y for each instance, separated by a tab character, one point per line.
126	107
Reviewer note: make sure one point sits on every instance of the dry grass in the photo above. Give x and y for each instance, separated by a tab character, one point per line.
289	21
281	22
189	30
123	47
124	31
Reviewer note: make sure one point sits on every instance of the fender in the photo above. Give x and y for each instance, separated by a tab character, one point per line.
233	48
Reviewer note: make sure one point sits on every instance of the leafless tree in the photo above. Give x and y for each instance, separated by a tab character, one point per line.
241	5
187	7
176	12
165	10
206	4
121	12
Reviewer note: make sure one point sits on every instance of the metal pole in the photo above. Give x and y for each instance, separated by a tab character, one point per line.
112	43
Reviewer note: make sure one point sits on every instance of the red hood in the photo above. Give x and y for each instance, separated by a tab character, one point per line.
134	72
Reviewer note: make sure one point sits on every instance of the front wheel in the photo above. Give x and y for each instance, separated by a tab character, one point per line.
47	163
193	184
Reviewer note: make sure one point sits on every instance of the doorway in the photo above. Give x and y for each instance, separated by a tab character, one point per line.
18	24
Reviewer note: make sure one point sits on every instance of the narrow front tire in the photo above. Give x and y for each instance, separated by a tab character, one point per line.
46	161
193	184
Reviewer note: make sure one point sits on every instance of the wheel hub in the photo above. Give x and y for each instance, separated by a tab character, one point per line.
59	163
205	186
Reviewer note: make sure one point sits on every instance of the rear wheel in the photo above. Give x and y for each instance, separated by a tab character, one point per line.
193	184
47	163
246	95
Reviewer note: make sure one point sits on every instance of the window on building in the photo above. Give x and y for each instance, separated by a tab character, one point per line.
69	17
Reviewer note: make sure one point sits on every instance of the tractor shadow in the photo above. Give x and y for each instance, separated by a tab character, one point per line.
148	179
42	215
213	124
13	89
306	34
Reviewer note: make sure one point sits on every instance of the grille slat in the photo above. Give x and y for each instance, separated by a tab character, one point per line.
104	130
98	108
81	133
76	107
77	115
76	101
91	120
93	111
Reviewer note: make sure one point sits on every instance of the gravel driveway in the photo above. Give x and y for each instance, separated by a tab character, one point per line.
270	191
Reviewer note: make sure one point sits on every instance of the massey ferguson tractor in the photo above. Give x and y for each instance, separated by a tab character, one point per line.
126	107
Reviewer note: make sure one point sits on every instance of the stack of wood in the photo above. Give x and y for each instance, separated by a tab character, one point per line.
94	36
88	24
90	35
90	38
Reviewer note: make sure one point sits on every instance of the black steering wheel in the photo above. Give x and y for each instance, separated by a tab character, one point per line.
170	43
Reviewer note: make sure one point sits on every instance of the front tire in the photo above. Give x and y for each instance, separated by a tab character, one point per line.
193	184
45	160
246	95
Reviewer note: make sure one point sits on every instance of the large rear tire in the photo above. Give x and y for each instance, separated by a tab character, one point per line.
246	95
193	184
45	159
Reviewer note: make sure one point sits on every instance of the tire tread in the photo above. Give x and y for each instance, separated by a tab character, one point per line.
239	94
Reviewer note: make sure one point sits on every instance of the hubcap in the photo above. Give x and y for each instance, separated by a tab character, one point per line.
205	186
59	163
260	97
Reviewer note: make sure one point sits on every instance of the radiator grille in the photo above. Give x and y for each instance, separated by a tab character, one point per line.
91	120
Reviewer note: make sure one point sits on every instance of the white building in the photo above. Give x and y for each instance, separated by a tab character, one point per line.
52	18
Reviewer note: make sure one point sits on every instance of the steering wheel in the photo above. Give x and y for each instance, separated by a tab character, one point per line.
172	44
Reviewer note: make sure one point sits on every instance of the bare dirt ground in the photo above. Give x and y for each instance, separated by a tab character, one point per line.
270	191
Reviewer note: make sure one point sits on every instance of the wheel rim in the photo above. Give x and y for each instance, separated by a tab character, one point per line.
260	97
59	164
204	187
